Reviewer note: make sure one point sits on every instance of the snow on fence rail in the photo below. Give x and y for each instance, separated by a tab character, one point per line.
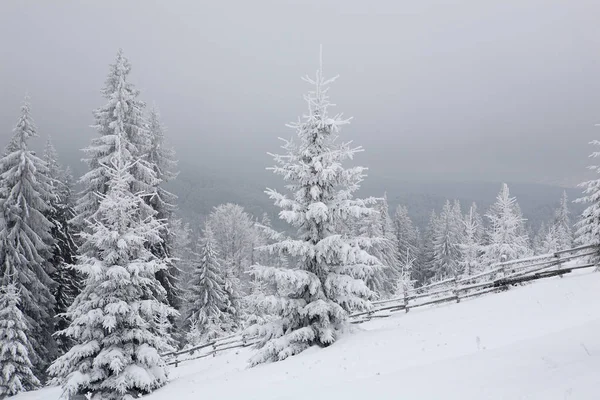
497	278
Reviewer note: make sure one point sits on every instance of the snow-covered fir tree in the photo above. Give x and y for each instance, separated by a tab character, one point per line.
539	237
16	373
328	270
446	241
114	317
67	282
162	159
562	222
407	241
507	239
207	303
379	225
470	246
234	232
123	95
426	268
25	240
551	241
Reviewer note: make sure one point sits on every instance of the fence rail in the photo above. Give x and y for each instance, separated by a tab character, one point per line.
498	278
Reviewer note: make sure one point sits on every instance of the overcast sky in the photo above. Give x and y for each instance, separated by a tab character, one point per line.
439	90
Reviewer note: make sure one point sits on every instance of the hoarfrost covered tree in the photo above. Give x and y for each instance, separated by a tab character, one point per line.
539	237
328	270
162	160
470	246
562	222
25	240
208	305
426	266
68	283
119	93
379	225
114	317
551	241
407	241
15	366
446	241
506	235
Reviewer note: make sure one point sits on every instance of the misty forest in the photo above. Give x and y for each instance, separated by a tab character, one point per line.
117	277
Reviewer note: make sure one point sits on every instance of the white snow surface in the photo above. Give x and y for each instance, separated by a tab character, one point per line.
539	341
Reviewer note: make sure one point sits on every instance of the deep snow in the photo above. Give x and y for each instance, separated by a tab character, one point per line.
540	341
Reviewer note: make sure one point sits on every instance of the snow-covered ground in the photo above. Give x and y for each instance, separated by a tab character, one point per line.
540	341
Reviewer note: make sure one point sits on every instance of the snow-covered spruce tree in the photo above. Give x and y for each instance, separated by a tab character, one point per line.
328	271
114	317
25	240
588	227
551	241
562	222
234	232
130	119
506	238
162	159
383	281
446	241
15	366
538	238
426	266
470	246
67	281
207	302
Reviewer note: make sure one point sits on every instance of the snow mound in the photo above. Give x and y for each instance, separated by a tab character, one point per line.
538	341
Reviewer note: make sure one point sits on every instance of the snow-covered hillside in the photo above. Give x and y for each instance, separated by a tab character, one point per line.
540	341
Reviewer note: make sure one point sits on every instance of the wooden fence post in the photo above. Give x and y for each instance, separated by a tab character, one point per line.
406	308
558	263
456	289
214	354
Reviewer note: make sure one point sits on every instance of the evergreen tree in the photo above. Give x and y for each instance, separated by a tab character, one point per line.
427	267
539	238
114	317
162	159
446	241
25	240
15	366
562	222
470	246
68	283
406	233
507	238
208	304
124	111
551	241
329	270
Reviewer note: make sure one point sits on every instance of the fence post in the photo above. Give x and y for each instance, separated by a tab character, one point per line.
406	308
456	289
214	346
558	263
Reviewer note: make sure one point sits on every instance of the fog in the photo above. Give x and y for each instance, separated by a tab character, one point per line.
440	91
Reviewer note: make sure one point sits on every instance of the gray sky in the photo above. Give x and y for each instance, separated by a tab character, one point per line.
439	90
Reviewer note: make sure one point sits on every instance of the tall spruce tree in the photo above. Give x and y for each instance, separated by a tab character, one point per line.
162	159
25	240
15	366
114	319
209	310
562	223
67	281
470	245
507	238
446	241
125	109
328	273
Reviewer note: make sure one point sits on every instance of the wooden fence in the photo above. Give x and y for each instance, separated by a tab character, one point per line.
498	278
